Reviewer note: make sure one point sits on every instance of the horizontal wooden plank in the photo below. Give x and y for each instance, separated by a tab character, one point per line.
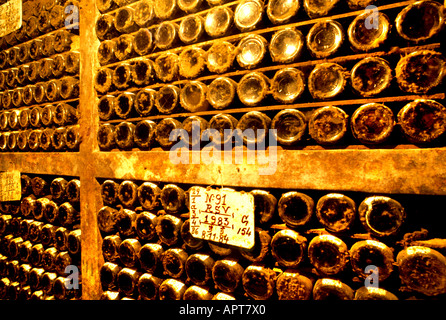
405	171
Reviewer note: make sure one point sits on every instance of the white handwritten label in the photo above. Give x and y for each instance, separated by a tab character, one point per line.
10	17
10	186
223	216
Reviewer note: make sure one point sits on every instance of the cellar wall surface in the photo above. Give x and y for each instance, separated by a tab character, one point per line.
412	173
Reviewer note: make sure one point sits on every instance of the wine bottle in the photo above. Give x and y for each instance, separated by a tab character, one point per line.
57	15
144	14
174	261
293	286
4	224
191	28
222	122
422	269
143	72
107	52
372	293
69	88
260	249
44	25
23	274
289	126
218	21
51	211
48	45
429	15
35	231
192	62
103	80
105	28
332	289
150	257
28	94
422	120
288	248
264	205
327	80
39	186
172	198
106	136
287	85
259	282
171	289
105	5
191	125
47	234
254	126
336	212
381	216
129	252
295	208
108	275
413	76
286	45
148	286
328	254
144	133
251	51
49	258
167	99
124	47
110	247
166	35
47	281
60	290
122	76
197	293
279	12
168	229
126	222
145	102
199	268
248	14
124	21
13	247
123	104
73	190
128	281
16	97
127	193
63	260
35	255
314	9
35	49
193	96
362	37
371	76
190	241
109	192
74	242
124	135
58	189
61	238
227	274
221	92
325	38
166	66
146	226
163	130
371	253
107	219
68	215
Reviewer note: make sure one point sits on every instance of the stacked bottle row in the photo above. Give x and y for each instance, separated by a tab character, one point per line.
40	80
151	254
129	89
369	124
41	241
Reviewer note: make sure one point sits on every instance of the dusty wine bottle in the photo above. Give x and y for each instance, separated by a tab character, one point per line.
47	234
251	51
110	247
148	195
106	218
193	125
129	252
103	81
124	21
422	120
227	275
254	125
315	8
172	198
261	248
221	92
253	88
430	21
106	5
220	56
124	135
122	76
143	72
199	268
168	229
327	80
222	122
105	28
73	137
58	188
146	225
40	186
287	85
336	212
193	96
145	102
167	99
39	92
328	125
248	14
366	253
372	123
74	242
150	256
68	215
382	216
123	104
372	293
264	206
288	248
362	37
171	289
325	38
371	76
163	130
295	208
107	52
148	286
293	286
124	47
49	258
106	136
190	241
109	192
108	275
328	254
259	282
128	281
144	14
290	126
166	66
144	135
166	35
126	222
174	261
332	289
191	29
127	193
280	12
35	231
60	239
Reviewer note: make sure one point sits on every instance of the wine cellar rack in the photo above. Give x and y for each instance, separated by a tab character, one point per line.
412	173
